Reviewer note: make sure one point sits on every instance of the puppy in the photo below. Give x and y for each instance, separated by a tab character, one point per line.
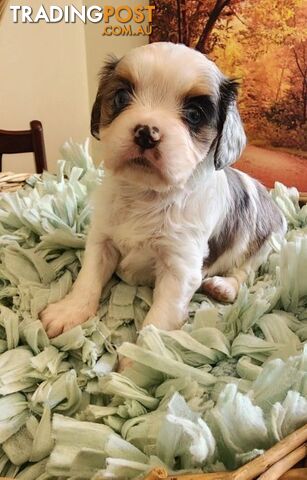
170	212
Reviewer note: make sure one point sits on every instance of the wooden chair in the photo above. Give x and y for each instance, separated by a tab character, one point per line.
24	141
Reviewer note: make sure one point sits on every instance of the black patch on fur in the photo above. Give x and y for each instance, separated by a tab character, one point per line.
207	108
228	94
104	111
237	218
241	217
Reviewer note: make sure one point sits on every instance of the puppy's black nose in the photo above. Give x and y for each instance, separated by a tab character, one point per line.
146	137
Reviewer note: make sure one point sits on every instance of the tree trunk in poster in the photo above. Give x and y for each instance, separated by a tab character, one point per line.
213	17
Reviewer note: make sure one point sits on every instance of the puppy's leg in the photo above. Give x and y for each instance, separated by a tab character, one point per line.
172	294
225	289
100	261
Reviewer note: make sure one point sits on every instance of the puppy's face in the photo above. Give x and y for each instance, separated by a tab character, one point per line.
160	110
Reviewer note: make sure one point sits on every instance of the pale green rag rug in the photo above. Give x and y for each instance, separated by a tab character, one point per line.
210	397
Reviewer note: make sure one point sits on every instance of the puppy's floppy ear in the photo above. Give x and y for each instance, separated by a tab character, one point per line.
105	78
231	138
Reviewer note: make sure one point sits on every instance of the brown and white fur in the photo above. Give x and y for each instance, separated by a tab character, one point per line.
170	212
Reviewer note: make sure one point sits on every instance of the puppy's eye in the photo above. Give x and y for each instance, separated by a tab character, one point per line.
193	115
198	111
122	98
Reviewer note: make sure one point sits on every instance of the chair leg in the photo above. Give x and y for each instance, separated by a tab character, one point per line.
38	146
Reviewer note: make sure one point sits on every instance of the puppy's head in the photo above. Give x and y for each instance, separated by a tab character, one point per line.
160	111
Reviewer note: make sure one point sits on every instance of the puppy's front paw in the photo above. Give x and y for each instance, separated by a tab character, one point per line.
222	289
64	315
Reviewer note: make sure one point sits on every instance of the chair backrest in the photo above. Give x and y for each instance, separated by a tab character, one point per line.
25	141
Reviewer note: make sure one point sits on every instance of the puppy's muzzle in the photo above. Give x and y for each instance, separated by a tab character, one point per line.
147	137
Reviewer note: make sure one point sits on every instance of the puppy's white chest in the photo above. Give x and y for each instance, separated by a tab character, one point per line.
137	258
136	239
137	267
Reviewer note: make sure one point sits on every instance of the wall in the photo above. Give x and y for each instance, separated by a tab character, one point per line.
49	72
43	76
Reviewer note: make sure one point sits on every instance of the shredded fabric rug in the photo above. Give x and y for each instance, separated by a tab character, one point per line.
209	397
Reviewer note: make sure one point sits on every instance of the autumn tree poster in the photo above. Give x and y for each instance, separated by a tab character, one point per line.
263	44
